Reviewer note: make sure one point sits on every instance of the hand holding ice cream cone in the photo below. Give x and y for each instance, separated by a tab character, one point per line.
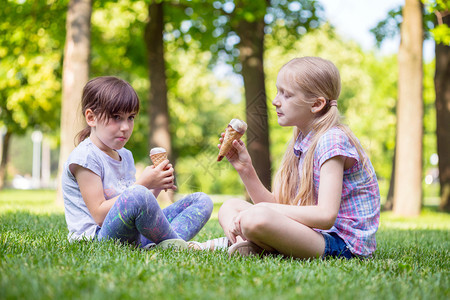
157	156
235	130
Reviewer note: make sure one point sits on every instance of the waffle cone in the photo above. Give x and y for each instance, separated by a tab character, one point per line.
230	136
158	158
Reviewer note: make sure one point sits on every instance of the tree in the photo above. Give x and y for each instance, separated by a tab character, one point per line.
75	76
234	31
438	12
4	157
158	107
118	49
30	39
442	86
408	163
250	31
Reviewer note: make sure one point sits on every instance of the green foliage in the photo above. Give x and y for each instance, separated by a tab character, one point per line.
199	35
36	259
212	24
31	49
200	108
441	33
390	26
118	49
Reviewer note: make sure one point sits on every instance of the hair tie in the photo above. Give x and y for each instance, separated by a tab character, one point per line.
333	103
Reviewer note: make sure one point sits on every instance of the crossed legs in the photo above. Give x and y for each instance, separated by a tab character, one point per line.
137	218
271	230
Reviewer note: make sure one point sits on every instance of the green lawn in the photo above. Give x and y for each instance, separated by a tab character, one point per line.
37	262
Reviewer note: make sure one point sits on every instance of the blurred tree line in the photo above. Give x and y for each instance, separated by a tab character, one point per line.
210	78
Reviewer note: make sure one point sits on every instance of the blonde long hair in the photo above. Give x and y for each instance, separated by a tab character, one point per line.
315	77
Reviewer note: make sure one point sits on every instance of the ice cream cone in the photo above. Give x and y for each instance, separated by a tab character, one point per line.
235	130
158	158
158	155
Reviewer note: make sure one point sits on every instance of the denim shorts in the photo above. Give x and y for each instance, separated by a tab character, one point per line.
335	246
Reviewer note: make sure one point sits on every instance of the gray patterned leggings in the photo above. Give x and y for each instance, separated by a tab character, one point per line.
137	218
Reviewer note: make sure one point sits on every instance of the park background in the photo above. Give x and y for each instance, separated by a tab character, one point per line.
203	86
190	62
192	52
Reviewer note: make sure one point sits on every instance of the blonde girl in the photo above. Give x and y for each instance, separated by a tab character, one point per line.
325	201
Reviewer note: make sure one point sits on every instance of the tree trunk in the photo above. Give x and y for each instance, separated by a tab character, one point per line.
4	162
408	167
442	87
251	49
390	196
158	108
75	76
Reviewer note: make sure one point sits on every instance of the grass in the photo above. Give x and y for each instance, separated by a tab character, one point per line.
37	262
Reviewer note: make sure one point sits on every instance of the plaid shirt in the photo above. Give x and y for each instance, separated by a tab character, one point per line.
359	212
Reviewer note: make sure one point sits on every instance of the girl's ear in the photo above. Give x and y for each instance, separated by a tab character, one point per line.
91	120
318	105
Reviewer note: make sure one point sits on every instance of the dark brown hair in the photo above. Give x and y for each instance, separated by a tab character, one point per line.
107	96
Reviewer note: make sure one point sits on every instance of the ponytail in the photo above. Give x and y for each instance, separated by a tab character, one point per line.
82	135
290	187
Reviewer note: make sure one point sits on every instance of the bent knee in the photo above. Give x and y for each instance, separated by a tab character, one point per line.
235	204
256	221
205	201
135	190
139	197
232	206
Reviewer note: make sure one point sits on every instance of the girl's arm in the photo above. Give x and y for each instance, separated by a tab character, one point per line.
323	215
241	161
91	188
159	177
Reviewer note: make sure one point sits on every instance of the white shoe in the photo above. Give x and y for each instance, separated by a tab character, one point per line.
221	244
149	246
175	244
247	248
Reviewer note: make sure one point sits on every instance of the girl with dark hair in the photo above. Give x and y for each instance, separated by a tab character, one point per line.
102	198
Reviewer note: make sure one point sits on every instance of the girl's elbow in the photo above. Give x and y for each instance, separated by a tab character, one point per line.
327	226
328	220
98	219
99	222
